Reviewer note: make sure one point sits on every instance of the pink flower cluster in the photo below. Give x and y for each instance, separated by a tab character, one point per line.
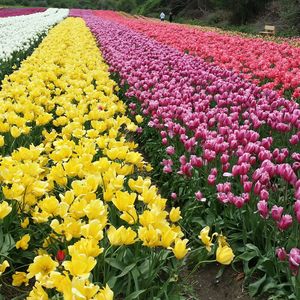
293	257
214	114
11	12
275	65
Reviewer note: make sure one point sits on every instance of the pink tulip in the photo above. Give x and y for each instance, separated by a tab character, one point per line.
173	195
263	210
285	222
294	259
264	195
170	150
276	212
211	179
281	254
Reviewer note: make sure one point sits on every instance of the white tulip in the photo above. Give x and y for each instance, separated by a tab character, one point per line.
20	32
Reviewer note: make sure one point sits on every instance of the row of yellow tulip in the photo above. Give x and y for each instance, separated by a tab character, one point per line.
67	167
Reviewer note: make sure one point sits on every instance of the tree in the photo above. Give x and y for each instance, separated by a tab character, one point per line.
126	5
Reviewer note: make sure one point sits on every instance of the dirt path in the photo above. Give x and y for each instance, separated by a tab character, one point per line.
202	285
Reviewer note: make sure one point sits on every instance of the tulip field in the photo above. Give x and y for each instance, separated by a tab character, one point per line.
133	151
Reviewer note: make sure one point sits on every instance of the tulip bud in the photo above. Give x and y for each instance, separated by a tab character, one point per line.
164	141
173	196
60	256
281	254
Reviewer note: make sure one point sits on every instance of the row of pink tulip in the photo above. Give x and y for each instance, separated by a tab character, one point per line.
219	118
276	66
12	12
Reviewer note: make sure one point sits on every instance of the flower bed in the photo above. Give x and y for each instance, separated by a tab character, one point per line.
12	12
20	35
272	65
233	141
77	207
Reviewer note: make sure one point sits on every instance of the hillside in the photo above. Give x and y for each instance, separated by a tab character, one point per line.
248	15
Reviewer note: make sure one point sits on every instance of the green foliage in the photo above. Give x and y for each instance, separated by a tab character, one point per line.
148	7
290	13
231	12
9	2
126	5
130	271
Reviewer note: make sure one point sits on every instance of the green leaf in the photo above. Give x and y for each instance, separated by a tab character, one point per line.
267	266
135	275
115	263
247	256
7	243
253	248
126	270
255	287
145	267
134	295
112	281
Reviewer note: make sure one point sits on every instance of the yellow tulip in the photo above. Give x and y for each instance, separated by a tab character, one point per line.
23	242
15	132
80	265
25	223
155	216
121	236
224	255
93	230
49	205
105	294
130	216
180	249
124	200
5	209
168	237
37	293
42	265
96	210
139	119
3	266
19	278
15	192
83	289
139	185
205	238
89	247
2	142
149	236
175	214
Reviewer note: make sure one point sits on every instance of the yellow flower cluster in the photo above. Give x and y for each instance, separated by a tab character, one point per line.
81	169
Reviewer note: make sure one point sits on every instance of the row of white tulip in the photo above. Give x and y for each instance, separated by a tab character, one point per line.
19	33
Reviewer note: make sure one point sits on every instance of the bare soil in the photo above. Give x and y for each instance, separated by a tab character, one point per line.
202	284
